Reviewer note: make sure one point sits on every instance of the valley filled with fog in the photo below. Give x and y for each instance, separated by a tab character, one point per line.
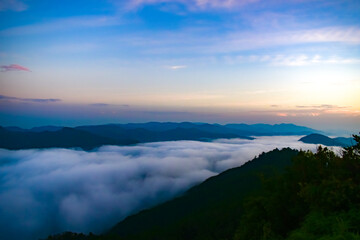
49	191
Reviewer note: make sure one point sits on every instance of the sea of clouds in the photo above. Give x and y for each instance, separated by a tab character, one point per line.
49	191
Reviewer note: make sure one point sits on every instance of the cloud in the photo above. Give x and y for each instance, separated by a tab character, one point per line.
303	60
193	5
55	190
13	67
12	5
62	24
203	42
288	60
321	107
176	67
324	110
108	105
99	105
33	100
243	40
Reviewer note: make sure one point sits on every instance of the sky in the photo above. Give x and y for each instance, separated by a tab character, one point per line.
253	61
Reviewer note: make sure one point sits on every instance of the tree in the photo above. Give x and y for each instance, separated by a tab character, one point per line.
318	197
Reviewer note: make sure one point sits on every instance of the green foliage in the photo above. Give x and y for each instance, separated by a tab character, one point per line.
318	197
339	225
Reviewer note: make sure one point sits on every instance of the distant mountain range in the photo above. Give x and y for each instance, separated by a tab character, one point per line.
89	137
63	138
327	141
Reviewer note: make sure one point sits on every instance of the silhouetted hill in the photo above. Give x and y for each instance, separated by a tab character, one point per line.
346	142
193	134
324	140
209	210
123	134
270	130
46	128
143	134
159	126
239	129
157	131
111	131
34	129
63	138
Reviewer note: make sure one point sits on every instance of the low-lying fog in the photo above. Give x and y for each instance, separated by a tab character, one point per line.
48	191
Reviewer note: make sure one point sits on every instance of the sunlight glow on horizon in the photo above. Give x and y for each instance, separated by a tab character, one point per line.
233	59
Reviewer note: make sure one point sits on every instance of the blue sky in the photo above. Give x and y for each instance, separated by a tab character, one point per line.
180	60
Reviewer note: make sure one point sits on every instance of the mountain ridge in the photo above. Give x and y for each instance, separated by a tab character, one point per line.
94	136
316	138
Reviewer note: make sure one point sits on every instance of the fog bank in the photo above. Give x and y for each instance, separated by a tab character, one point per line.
48	191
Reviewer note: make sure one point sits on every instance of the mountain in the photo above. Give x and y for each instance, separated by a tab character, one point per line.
63	138
207	209
346	142
89	137
270	130
167	131
45	128
159	126
239	129
124	134
143	134
16	129
34	129
324	140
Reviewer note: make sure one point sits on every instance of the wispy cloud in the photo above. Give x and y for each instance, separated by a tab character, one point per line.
63	24
289	60
256	40
303	60
12	5
315	111
108	105
204	42
99	105
33	100
13	67
176	67
322	106
193	5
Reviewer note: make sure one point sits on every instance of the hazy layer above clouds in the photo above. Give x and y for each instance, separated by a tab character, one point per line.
48	191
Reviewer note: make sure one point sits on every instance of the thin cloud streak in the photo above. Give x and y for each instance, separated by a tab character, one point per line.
13	67
288	60
176	67
257	40
192	5
62	24
57	190
193	40
108	105
32	100
322	106
316	111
